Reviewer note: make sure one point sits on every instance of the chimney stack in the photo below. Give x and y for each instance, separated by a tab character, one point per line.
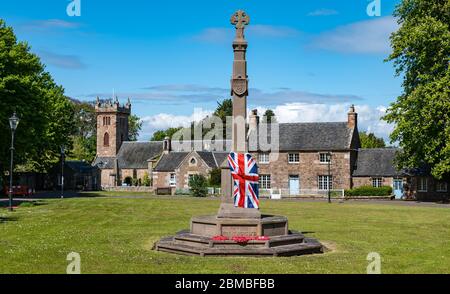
352	118
253	120
167	145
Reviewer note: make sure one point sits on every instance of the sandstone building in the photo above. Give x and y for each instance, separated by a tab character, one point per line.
312	158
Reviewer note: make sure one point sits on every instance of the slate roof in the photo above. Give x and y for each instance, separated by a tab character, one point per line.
104	162
78	166
136	154
376	162
220	157
132	155
169	162
314	136
208	158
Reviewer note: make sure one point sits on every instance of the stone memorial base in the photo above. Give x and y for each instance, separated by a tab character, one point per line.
199	239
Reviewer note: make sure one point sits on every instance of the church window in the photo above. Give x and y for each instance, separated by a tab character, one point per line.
106	140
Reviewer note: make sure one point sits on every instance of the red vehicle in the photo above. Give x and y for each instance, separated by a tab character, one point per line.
24	191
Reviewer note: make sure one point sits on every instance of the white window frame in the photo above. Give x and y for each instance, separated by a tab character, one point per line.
265	182
173	180
296	158
264	158
325	182
325	155
422	185
377	182
441	187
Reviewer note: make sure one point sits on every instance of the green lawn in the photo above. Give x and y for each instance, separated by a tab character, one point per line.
115	235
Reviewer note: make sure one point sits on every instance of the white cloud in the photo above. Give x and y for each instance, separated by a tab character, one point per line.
323	12
369	118
371	36
162	121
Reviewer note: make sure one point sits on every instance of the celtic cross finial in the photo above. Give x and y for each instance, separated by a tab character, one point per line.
240	19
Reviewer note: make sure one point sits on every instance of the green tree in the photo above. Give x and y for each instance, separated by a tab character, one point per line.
421	53
215	177
369	140
198	186
224	109
161	135
85	137
134	127
46	115
269	116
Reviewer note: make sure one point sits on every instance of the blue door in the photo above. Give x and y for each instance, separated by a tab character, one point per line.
294	185
398	188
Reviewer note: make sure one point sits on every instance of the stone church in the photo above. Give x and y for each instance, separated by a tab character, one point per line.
312	157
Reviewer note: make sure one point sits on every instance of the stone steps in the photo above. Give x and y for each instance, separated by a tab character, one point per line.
288	245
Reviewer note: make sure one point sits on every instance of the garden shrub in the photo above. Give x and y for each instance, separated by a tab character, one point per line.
369	191
198	186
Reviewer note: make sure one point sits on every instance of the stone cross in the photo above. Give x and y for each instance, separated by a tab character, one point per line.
239	91
240	19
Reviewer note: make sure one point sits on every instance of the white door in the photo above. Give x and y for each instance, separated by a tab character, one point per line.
294	185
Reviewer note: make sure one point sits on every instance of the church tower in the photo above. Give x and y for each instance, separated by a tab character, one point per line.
112	126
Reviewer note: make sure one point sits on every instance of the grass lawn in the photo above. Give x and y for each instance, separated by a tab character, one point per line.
114	235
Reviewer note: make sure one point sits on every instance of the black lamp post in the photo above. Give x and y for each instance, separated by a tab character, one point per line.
62	170
329	176
13	123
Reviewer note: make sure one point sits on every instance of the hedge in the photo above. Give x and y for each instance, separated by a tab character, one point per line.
369	191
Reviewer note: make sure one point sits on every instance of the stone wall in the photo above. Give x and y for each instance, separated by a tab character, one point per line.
367	181
161	179
132	172
308	169
129	189
106	180
187	168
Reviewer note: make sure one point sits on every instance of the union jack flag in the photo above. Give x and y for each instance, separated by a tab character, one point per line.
246	180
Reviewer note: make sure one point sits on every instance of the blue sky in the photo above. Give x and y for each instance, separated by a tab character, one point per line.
307	60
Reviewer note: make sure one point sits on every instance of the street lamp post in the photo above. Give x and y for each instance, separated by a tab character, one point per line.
13	123
62	170
329	176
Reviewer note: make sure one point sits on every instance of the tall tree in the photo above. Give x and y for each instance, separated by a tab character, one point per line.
224	109
46	115
134	127
421	52
161	135
369	140
269	116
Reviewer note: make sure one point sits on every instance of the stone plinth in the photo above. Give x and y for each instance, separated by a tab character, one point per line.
199	240
210	226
